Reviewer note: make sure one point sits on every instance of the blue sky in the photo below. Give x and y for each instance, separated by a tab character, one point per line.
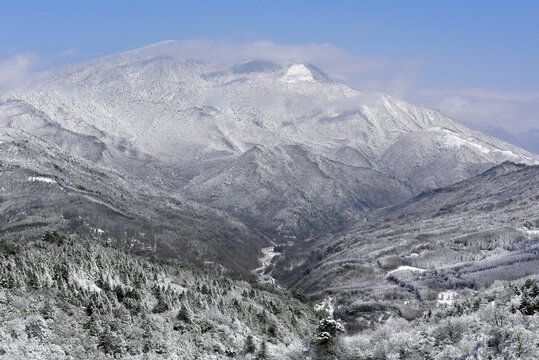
475	60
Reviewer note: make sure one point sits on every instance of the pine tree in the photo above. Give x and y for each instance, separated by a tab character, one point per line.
263	352
327	334
250	346
184	315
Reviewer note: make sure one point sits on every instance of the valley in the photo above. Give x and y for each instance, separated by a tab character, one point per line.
407	255
142	196
268	254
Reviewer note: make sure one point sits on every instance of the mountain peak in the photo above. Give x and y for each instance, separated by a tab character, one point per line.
298	73
254	66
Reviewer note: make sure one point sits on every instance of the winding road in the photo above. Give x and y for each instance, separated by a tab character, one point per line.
265	260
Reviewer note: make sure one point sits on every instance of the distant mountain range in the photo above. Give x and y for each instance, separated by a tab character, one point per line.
261	150
528	140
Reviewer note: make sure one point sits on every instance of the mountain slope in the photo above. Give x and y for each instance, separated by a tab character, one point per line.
75	298
528	140
165	105
42	188
293	193
279	147
403	257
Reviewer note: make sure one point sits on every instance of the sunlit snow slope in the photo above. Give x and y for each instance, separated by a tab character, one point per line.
189	128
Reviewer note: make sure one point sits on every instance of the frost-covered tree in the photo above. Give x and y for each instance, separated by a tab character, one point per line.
326	337
250	346
79	297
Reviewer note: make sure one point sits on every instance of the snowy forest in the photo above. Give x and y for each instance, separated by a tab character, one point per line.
208	200
77	297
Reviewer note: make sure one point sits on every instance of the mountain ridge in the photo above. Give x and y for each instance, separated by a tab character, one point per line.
453	238
174	126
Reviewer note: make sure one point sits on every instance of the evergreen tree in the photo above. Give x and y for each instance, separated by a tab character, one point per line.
263	352
184	315
250	346
326	337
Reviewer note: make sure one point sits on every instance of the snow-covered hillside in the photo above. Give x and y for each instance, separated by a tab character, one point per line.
164	104
178	125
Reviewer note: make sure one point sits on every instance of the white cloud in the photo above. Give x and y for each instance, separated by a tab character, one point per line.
402	81
514	111
16	70
68	53
330	59
479	93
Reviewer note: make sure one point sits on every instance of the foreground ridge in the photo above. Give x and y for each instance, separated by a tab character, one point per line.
72	297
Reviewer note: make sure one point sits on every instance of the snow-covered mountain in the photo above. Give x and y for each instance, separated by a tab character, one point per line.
224	134
405	213
43	189
293	192
407	256
528	140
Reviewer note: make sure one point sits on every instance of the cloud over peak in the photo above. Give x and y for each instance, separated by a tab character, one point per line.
336	62
516	111
16	70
